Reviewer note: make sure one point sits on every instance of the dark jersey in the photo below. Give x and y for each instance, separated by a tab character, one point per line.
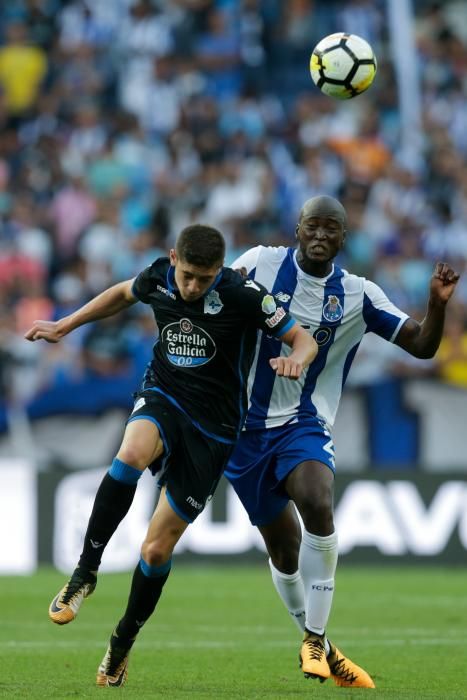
205	348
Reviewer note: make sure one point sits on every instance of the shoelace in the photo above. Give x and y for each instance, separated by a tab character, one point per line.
338	669
315	648
76	582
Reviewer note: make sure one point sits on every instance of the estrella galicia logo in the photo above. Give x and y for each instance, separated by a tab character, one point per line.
212	302
333	311
187	345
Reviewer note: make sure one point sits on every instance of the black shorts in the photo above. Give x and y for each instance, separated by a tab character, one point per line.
192	463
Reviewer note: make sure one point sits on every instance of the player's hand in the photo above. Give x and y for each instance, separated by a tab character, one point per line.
443	282
285	367
243	271
45	330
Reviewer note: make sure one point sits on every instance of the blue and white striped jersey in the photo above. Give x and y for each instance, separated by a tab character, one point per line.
338	310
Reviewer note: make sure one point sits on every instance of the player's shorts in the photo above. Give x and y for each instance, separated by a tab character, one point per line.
262	460
191	464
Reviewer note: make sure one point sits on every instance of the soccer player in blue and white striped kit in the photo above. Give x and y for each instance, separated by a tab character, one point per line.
285	454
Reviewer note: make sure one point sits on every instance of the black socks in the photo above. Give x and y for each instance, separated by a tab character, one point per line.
144	596
112	502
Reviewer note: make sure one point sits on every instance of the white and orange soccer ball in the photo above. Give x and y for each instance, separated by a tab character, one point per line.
343	65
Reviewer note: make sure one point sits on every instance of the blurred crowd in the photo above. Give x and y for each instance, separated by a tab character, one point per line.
123	121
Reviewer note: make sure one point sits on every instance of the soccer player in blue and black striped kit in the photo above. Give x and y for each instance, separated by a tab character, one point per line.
285	454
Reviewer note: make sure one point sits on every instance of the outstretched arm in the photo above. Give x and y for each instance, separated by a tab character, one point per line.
304	351
108	303
422	339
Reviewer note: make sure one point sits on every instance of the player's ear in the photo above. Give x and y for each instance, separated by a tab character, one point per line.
296	230
173	257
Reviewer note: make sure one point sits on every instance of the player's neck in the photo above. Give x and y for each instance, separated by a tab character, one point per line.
313	268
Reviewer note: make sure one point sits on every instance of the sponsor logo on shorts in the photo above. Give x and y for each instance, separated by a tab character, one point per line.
268	305
187	345
193	503
273	321
332	310
212	303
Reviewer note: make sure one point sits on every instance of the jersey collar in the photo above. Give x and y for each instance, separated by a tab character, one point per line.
171	286
216	282
302	273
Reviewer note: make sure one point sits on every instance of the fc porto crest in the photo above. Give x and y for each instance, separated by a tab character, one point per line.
212	302
332	310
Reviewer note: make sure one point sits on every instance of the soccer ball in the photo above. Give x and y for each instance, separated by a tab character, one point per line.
343	65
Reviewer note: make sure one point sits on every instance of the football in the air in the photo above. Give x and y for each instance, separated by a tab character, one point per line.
343	65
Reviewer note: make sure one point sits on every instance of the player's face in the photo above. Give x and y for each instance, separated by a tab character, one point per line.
320	238
192	281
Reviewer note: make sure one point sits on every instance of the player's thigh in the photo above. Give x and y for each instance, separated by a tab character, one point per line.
311	487
193	470
305	463
141	444
164	531
311	482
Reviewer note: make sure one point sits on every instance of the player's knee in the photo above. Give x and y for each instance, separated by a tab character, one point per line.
134	456
156	552
318	516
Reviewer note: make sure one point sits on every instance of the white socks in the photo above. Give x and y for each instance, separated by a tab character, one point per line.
290	589
317	561
307	594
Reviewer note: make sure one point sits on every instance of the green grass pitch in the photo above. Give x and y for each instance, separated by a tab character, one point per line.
221	632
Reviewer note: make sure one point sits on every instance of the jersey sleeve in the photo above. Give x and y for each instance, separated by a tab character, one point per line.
248	260
261	306
144	284
381	315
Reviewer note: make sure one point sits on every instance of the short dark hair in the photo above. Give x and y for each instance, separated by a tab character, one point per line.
201	245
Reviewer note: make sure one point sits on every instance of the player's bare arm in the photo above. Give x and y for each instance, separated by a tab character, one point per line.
108	303
422	339
304	351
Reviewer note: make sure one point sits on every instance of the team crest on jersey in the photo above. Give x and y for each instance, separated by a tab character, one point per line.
268	305
332	310
212	302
